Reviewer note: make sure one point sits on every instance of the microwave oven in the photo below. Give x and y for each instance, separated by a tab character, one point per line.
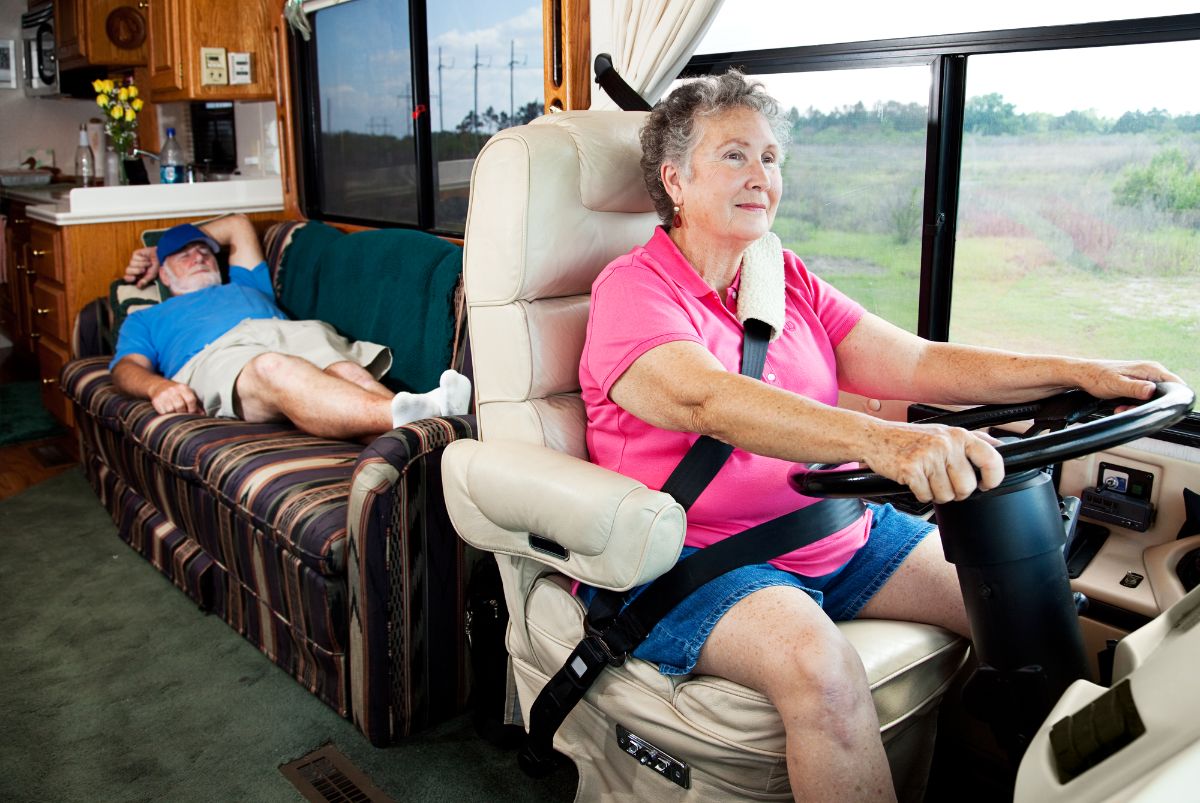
39	51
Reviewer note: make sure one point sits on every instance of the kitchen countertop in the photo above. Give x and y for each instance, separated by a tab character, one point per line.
66	205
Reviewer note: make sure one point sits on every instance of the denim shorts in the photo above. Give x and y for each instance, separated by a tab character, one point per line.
674	643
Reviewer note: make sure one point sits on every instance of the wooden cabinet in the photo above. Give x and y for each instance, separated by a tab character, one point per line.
180	28
49	312
106	33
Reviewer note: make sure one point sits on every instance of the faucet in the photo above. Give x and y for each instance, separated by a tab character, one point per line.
140	152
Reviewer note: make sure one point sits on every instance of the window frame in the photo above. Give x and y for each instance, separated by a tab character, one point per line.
946	55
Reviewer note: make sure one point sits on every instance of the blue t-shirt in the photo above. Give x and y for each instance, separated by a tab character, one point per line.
172	332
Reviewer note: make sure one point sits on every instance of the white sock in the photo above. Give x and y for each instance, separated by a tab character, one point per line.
458	392
452	396
409	407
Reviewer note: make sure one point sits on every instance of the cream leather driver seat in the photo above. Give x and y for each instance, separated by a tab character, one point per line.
551	204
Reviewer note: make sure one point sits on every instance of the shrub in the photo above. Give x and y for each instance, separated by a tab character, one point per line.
1169	183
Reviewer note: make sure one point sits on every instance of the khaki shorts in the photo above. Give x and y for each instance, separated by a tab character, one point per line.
213	373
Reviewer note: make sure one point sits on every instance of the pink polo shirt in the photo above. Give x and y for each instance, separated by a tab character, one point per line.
652	296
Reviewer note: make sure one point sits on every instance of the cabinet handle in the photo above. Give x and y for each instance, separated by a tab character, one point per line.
30	272
49	380
35	335
37	252
143	4
18	221
43	310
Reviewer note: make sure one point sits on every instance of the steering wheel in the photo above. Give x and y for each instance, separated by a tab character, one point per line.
1170	403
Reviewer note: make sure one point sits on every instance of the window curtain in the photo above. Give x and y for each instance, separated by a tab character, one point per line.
649	41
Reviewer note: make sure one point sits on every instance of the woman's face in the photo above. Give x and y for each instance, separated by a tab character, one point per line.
735	184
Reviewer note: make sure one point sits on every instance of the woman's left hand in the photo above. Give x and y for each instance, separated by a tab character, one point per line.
1115	379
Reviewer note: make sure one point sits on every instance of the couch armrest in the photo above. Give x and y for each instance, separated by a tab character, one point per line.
406	578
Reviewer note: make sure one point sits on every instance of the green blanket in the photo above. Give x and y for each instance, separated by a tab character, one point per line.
390	286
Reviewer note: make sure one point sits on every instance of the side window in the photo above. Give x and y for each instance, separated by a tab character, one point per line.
400	96
1079	209
853	180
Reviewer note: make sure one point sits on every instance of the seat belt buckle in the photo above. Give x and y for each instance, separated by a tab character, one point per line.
598	648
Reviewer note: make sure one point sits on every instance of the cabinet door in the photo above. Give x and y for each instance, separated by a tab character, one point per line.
117	32
166	51
70	25
51	359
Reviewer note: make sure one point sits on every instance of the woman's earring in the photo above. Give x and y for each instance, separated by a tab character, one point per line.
677	221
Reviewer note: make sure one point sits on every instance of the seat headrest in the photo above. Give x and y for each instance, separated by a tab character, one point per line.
552	203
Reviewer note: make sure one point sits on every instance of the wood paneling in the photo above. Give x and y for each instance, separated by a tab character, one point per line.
574	89
283	113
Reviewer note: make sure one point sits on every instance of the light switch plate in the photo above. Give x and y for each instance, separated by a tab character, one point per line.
212	66
239	68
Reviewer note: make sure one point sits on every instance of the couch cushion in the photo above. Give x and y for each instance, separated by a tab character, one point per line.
390	286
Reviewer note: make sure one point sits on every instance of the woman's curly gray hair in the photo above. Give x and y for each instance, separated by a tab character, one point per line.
671	132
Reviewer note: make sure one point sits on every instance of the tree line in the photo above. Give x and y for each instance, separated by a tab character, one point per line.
988	115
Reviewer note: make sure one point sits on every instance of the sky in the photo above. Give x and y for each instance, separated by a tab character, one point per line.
374	93
1110	80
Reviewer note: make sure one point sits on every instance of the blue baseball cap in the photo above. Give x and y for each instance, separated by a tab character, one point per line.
177	238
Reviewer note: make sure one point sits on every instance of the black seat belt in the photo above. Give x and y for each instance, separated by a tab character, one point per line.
615	86
613	632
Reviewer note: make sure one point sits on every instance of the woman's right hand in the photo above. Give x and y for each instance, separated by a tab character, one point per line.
142	267
936	462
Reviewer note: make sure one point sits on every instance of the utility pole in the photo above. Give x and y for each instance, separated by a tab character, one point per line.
405	99
512	62
475	121
441	97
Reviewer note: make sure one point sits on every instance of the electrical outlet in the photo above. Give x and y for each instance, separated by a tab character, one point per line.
212	66
239	68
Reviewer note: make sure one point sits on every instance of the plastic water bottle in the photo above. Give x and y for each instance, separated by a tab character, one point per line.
85	160
170	160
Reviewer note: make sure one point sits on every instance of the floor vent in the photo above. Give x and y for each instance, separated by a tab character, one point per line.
327	775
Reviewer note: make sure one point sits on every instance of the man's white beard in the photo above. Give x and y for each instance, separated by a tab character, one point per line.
192	282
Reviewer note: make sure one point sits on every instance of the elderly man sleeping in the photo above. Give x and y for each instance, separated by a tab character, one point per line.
228	350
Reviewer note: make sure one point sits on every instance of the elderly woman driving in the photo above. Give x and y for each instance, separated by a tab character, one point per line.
660	367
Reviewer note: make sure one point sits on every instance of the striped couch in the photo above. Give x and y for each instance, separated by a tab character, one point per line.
337	561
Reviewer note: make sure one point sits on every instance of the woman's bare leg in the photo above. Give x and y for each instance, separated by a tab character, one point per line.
779	642
924	589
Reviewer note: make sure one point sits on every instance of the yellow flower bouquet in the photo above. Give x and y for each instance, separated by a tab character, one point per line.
121	105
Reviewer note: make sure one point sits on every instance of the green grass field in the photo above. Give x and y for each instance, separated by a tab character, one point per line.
1046	259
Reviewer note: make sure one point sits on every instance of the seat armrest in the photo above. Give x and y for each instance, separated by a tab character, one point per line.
403	560
592	524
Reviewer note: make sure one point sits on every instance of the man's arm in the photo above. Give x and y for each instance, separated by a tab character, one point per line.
234	233
134	376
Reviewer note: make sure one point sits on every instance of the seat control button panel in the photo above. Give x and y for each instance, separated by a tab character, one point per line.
650	756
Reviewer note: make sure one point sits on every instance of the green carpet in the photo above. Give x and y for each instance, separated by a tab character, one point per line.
22	416
116	687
